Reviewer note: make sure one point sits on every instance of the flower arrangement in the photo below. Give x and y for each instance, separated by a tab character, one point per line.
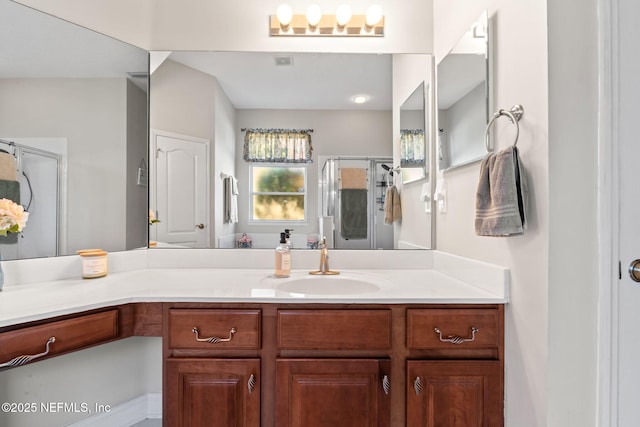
244	241
152	217
13	217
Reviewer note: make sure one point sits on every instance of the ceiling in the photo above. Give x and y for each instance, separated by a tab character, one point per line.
254	80
36	45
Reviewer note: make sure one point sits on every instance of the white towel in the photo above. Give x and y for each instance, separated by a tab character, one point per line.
501	198
230	196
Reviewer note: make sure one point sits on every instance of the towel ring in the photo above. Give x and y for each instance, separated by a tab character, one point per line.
515	114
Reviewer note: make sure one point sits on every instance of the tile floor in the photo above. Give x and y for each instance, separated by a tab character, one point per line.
156	422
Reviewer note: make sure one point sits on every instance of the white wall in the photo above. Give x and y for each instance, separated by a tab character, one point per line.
520	67
573	206
224	153
108	374
91	114
137	150
408	72
335	133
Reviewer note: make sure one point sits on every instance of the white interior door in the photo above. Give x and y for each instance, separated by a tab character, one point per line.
627	338
180	190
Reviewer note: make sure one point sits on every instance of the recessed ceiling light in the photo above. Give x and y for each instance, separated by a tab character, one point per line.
360	99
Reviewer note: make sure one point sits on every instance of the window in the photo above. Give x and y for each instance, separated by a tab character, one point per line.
278	193
278	145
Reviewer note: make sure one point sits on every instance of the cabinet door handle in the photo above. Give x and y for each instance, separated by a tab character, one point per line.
386	384
417	386
213	340
251	384
21	360
454	339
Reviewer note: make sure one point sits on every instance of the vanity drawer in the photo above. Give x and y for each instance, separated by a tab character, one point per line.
334	329
66	335
216	328
456	328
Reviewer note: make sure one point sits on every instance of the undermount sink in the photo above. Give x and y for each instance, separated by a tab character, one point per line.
327	285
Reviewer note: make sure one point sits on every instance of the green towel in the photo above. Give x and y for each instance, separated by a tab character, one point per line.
353	213
9	190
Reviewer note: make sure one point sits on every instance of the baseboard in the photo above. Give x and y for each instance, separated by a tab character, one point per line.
133	411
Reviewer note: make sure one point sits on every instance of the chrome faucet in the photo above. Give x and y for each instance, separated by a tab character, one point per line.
324	261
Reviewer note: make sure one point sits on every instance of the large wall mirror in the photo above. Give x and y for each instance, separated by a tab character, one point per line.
413	148
204	106
463	98
73	121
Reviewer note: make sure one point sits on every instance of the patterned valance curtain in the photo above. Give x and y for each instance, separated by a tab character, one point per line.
278	145
412	146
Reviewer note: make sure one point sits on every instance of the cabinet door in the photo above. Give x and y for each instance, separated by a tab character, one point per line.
332	392
457	393
212	393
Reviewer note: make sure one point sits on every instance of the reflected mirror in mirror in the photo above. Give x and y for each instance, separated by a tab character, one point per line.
204	106
463	100
413	146
73	123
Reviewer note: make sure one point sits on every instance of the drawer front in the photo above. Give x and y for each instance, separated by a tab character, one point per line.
334	329
224	328
456	328
66	335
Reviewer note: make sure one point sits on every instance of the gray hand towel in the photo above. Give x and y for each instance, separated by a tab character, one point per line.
501	197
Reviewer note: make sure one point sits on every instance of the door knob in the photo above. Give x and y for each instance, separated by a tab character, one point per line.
200	226
634	270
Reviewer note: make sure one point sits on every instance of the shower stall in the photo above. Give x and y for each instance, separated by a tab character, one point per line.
40	174
352	193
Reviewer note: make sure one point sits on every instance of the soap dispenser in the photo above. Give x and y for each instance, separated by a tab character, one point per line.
287	235
283	258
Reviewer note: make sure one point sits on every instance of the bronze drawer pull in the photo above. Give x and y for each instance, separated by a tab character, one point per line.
251	384
21	360
417	386
386	384
213	340
454	339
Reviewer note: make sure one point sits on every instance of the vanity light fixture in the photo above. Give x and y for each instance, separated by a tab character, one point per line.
315	23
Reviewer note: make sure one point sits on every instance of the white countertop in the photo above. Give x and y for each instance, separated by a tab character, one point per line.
26	303
35	301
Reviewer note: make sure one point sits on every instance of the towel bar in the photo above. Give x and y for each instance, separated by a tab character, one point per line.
515	114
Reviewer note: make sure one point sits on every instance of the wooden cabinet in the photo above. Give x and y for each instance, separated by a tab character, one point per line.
316	365
52	338
459	380
454	393
212	392
332	392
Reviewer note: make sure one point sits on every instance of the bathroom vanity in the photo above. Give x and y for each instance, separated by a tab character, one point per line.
393	347
333	364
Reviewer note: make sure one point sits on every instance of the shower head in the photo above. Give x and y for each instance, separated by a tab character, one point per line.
387	168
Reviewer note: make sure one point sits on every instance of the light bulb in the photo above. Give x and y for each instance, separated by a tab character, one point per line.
343	15
373	16
314	14
285	15
360	99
